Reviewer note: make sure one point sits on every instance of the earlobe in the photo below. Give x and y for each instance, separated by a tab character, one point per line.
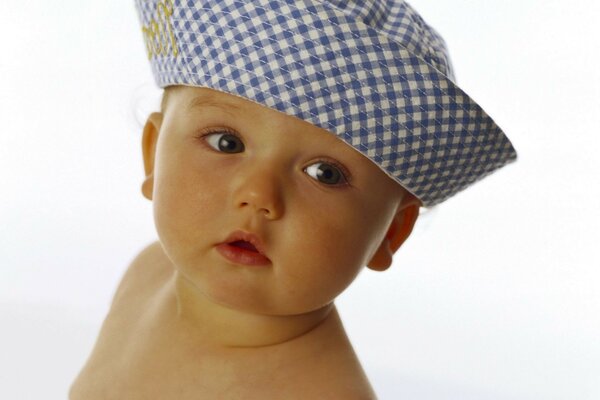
399	230
382	259
149	141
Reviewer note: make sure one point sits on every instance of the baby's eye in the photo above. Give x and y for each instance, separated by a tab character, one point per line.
328	173
225	141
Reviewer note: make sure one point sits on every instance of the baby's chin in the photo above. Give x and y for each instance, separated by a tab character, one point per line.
255	304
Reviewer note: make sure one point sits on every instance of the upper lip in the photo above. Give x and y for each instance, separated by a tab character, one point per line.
255	240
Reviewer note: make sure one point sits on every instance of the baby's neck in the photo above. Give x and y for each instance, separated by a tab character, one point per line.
181	304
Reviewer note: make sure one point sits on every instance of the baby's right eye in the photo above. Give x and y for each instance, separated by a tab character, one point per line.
224	141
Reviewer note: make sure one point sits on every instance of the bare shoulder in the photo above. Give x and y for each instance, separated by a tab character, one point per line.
328	368
147	268
146	271
347	390
338	382
347	382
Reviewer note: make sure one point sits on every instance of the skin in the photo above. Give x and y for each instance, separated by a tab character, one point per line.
185	322
318	236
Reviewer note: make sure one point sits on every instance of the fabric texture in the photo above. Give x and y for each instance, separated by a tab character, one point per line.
372	72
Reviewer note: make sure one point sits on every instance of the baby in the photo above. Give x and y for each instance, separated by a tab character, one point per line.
296	143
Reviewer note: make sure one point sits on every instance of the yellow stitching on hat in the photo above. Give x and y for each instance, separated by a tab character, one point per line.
154	33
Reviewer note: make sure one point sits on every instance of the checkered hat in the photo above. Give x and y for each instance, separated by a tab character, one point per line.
372	72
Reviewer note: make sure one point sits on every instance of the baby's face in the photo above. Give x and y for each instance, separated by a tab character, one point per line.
222	163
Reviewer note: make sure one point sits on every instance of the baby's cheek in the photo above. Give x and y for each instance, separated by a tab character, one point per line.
317	276
176	214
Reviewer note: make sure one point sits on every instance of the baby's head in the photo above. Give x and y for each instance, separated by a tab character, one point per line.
321	126
217	163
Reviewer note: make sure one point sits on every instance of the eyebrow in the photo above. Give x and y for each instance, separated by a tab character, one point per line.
210	101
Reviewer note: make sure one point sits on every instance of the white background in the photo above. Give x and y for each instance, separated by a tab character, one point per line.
494	296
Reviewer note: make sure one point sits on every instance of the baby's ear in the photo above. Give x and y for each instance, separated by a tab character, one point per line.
399	230
149	139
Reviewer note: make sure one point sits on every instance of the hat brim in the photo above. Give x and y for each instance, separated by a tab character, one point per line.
313	61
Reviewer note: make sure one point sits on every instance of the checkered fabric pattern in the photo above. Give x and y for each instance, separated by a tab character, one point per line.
371	72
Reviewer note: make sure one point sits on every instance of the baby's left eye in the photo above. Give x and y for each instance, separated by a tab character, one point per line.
328	173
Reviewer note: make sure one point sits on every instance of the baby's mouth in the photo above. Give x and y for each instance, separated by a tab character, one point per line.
243	244
243	253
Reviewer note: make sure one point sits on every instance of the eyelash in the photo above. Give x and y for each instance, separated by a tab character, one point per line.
345	173
210	131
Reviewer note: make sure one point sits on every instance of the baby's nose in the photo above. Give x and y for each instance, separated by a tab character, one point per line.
260	190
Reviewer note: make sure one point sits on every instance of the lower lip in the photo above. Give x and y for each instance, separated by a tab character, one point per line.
240	255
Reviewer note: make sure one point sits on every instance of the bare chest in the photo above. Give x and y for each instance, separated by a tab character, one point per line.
137	357
143	365
133	363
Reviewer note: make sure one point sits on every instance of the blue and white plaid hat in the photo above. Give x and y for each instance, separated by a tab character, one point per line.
371	72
